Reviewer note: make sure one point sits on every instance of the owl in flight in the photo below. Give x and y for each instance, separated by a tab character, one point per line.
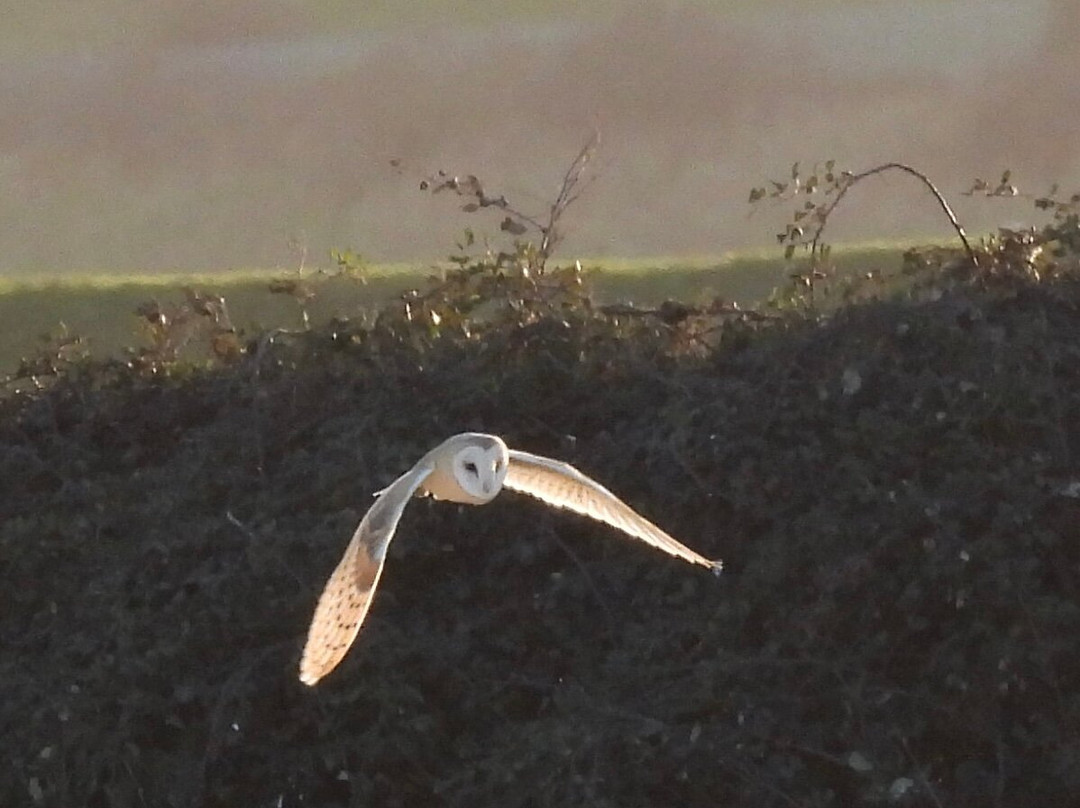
469	468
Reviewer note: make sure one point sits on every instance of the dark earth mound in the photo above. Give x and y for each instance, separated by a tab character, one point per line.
894	489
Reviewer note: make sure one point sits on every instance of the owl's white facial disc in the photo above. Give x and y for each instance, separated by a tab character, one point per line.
480	470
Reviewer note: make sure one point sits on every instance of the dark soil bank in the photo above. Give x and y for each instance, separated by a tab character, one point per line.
894	489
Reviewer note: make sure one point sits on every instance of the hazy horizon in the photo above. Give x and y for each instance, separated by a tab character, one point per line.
202	137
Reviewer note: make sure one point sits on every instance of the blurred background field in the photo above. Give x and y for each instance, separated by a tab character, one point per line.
193	136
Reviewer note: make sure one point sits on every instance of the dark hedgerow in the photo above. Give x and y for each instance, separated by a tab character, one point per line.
894	488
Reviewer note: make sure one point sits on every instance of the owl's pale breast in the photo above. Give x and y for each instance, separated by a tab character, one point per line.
442	485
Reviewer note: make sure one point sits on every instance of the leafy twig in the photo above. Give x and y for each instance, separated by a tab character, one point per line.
515	221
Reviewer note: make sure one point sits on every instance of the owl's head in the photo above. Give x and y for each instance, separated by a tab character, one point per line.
479	465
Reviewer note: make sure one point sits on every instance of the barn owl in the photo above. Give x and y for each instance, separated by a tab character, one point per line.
470	468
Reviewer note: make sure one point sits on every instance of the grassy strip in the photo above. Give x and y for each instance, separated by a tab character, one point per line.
101	307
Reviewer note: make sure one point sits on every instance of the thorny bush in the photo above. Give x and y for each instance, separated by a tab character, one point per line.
894	487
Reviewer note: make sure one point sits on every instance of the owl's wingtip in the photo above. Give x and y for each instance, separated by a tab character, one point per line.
309	677
717	567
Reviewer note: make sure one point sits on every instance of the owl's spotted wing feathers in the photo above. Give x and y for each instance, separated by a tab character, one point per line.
347	595
466	468
563	486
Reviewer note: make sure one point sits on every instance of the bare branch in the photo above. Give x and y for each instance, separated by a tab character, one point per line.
853	178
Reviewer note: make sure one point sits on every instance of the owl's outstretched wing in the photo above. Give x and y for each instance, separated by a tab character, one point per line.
347	595
563	486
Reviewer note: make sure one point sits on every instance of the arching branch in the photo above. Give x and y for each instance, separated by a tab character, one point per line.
823	216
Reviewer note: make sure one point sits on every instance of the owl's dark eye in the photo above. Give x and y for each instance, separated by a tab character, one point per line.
471	467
